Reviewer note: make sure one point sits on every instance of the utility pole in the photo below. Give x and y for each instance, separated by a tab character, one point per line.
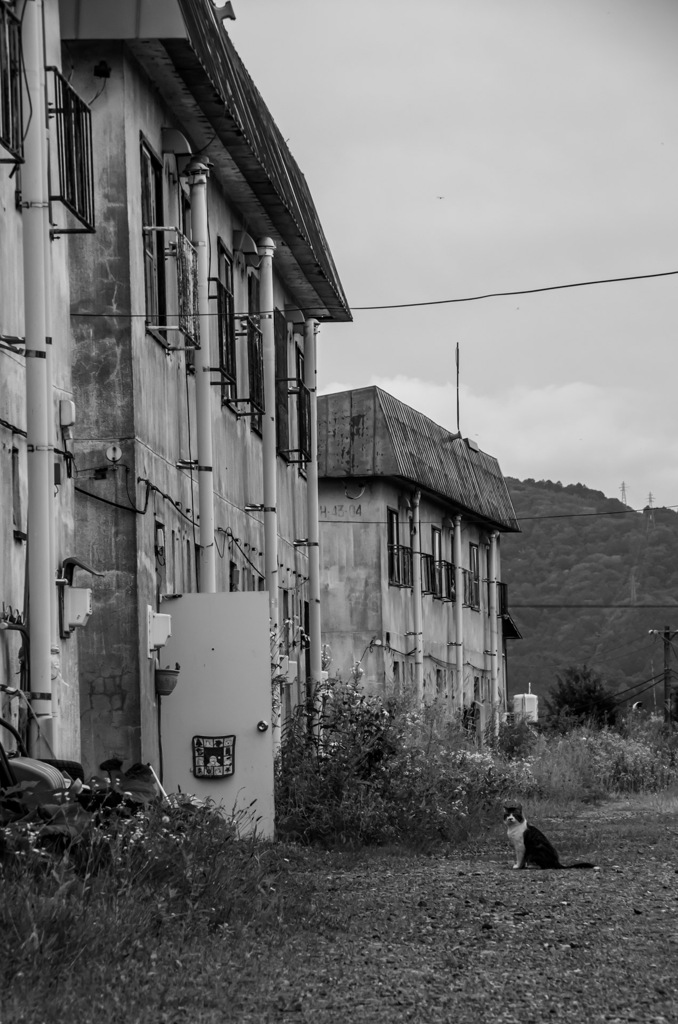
667	677
667	637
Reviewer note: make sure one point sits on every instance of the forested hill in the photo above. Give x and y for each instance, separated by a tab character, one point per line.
598	563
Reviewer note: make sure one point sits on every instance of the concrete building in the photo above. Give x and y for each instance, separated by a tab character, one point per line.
44	156
411	517
195	286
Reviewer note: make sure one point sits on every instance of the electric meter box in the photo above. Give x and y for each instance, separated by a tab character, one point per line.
77	606
159	630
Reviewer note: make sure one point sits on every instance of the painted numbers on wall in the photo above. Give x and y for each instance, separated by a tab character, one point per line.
341	511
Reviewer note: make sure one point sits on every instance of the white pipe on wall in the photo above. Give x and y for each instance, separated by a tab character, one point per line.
203	398
494	647
459	614
314	618
40	452
268	432
417	597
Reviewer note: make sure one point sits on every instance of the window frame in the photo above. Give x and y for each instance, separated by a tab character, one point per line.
11	93
226	336
153	216
282	388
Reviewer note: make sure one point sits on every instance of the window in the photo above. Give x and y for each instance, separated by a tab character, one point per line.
152	219
399	556
233	576
393	531
437	567
303	412
255	353
11	121
282	411
472	578
18	517
228	365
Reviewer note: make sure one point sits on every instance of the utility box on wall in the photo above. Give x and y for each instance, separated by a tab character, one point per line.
216	725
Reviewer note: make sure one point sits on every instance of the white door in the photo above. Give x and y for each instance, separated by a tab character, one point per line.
216	725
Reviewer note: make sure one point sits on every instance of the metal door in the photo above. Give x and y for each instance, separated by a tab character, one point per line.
216	726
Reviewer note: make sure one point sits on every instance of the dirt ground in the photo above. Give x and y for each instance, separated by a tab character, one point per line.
385	937
467	939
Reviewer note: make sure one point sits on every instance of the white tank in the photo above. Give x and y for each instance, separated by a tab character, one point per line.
525	705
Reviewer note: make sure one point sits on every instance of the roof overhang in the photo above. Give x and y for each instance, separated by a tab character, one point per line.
185	51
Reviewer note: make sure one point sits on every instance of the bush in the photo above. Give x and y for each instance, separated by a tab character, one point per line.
355	771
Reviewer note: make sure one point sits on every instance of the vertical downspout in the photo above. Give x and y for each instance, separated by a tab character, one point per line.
268	438
459	614
203	399
417	598
314	620
55	649
494	657
270	468
39	450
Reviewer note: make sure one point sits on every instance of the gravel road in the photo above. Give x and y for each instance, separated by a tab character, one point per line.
464	938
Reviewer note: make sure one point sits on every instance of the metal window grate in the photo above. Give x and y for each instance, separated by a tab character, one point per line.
186	283
74	184
11	120
187	289
302	453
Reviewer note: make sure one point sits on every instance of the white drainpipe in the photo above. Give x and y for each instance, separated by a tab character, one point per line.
494	647
39	449
314	623
417	599
203	398
268	438
459	613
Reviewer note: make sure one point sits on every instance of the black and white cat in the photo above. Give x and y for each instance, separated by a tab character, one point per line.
531	845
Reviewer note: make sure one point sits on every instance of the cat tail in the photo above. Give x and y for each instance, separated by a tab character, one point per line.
579	864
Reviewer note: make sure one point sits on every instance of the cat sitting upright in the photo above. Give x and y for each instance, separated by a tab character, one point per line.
531	845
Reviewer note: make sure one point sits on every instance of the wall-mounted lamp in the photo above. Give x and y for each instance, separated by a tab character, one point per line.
245	246
225	8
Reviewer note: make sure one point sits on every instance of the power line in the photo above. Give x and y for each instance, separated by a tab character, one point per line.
521	291
416	305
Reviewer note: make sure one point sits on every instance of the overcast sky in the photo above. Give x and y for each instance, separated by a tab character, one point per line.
459	147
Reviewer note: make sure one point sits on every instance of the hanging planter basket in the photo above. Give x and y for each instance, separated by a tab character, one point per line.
165	680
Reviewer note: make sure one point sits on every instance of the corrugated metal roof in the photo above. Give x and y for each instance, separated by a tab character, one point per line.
367	432
244	123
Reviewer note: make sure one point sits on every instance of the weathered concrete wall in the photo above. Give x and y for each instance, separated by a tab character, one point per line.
13	468
134	392
359	604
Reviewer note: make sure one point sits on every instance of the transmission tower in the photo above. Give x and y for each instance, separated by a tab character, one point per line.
623	492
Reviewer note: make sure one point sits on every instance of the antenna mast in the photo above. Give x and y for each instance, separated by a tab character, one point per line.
457	362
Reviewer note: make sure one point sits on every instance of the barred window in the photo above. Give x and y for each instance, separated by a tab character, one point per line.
11	127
